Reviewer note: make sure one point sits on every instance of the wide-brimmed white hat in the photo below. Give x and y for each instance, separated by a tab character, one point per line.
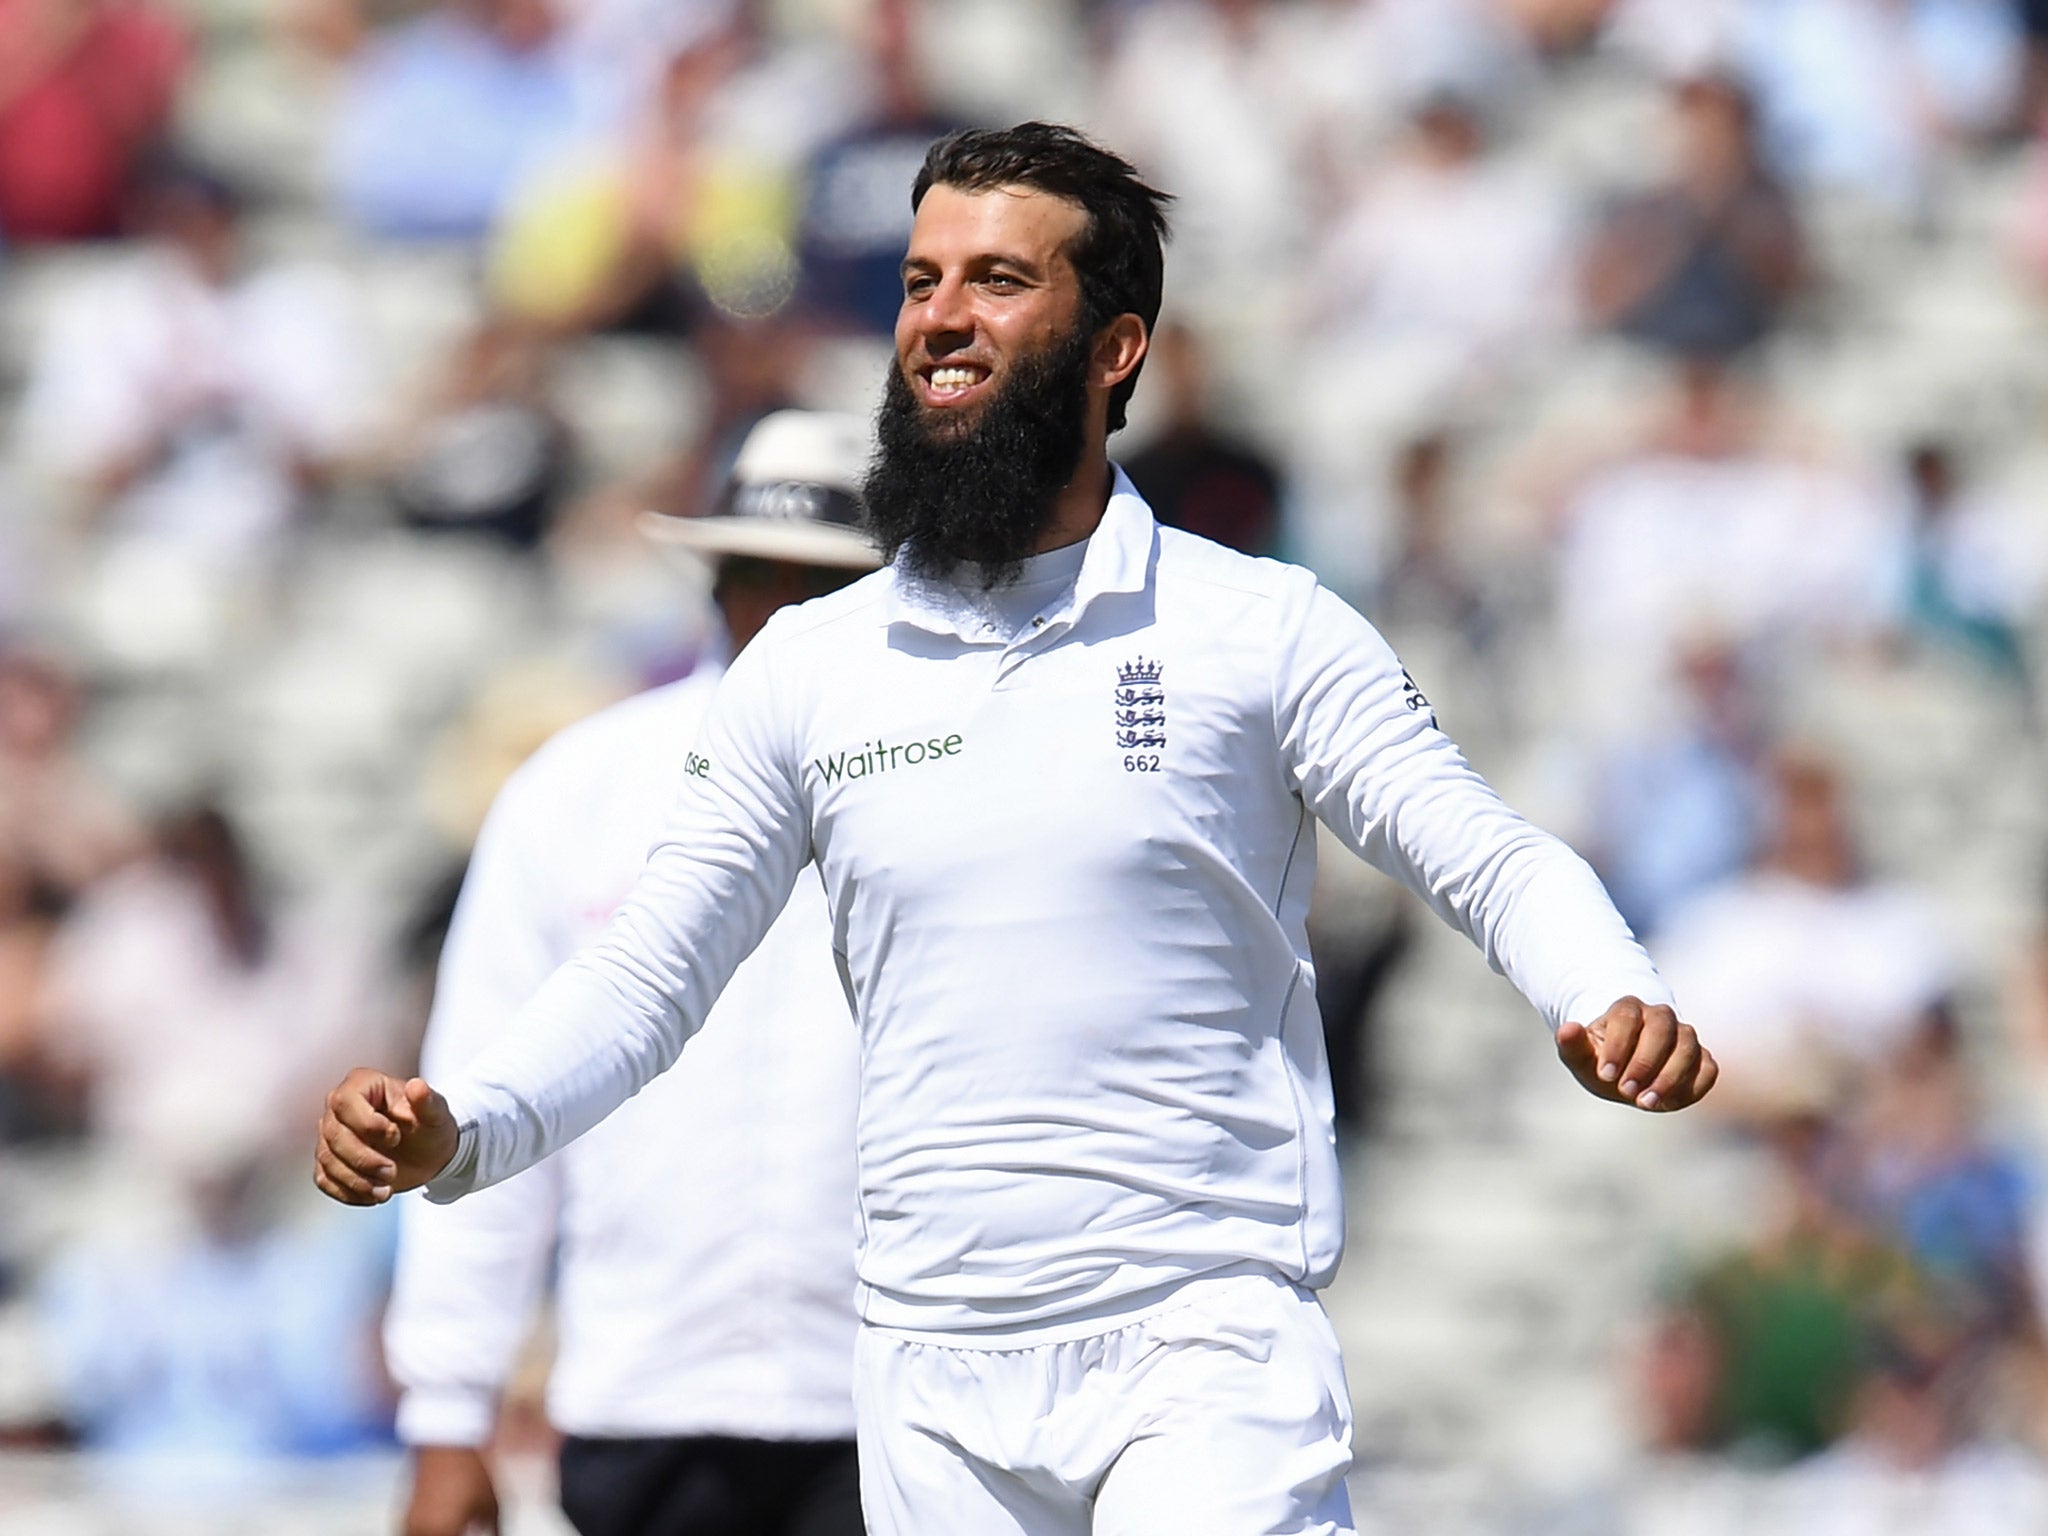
794	494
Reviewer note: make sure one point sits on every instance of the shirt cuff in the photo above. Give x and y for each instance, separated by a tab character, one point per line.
459	1177
447	1416
1590	1005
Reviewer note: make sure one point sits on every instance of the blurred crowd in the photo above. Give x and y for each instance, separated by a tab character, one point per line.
1667	378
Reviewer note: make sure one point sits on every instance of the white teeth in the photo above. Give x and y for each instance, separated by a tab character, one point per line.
952	378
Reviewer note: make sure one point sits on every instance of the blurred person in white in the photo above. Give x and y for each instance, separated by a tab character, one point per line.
1865	97
1805	964
182	971
1449	263
1919	1455
1857	97
196	397
1259	110
1444	274
701	1239
1717	522
1098	1176
1703	261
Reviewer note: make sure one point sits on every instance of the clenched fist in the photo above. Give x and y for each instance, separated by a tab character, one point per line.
381	1135
1638	1053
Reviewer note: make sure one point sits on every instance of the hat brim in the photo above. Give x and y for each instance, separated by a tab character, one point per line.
799	543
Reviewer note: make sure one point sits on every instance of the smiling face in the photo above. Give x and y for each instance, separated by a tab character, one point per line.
987	284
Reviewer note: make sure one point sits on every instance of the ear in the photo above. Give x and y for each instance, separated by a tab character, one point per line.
1120	347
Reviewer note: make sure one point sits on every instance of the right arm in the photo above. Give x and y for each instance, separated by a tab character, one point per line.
618	1014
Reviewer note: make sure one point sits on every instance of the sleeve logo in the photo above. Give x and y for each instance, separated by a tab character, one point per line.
1413	697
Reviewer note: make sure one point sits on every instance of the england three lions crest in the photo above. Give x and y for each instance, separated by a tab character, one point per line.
1140	706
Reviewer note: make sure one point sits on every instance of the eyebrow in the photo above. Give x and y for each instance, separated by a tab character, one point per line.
983	259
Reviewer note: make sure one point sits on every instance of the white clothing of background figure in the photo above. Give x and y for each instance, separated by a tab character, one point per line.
239	386
704	1234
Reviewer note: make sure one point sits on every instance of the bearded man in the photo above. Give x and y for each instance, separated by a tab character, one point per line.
1056	766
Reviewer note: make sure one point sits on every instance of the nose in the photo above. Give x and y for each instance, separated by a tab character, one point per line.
944	319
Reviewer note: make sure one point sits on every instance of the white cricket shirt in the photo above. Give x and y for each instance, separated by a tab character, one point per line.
702	1237
1069	871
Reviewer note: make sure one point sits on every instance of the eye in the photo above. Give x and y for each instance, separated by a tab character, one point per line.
916	288
1002	282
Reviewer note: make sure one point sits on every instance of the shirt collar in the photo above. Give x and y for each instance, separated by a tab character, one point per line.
1119	559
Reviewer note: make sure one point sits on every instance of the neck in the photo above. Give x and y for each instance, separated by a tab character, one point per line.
1081	505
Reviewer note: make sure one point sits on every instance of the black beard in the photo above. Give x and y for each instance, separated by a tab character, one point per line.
981	490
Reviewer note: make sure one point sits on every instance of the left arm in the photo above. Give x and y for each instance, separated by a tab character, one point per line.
1365	754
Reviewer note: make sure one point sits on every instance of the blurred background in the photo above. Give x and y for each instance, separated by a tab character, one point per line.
1668	378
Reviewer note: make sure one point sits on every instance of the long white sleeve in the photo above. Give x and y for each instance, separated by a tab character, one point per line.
1368	758
702	1237
609	1021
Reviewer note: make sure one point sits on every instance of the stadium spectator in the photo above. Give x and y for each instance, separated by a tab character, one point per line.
1918	1441
856	197
706	1316
489	452
1429	584
197	1354
1440	280
33	1103
1675	39
181	972
194	395
1447	267
1192	473
60	831
1975	568
1559	29
1805	964
1676	812
1928	1176
87	89
1716	522
58	822
1788	1315
1220	100
1703	262
751	369
686	209
398	170
1856	97
2034	89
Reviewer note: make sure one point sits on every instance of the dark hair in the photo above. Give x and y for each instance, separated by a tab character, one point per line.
1119	257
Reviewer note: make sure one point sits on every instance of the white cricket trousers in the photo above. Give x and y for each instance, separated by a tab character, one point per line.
1222	1413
